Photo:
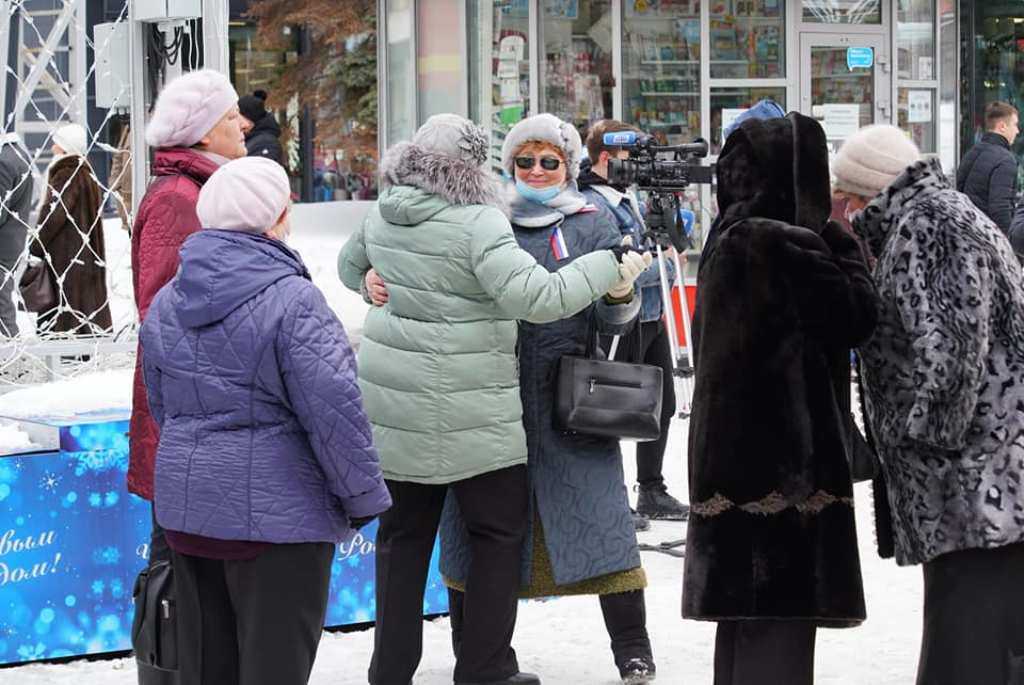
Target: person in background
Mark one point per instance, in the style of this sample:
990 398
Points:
1017 232
266 458
653 500
782 296
70 239
195 128
15 205
943 378
263 133
121 177
988 172
438 366
580 538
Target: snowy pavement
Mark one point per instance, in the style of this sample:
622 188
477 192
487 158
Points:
564 640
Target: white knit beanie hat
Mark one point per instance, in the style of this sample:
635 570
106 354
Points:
188 107
544 128
248 194
872 158
72 139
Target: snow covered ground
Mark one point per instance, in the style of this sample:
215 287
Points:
564 640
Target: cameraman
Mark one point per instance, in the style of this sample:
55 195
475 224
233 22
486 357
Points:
653 502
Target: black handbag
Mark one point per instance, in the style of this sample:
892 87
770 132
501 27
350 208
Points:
37 288
610 399
154 627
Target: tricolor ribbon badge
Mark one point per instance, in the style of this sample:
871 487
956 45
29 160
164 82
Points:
558 247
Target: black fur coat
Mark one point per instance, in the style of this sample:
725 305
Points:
783 294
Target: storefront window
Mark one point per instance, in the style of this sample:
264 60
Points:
916 113
499 66
950 80
842 92
915 40
842 11
438 60
400 68
729 103
661 68
576 76
748 39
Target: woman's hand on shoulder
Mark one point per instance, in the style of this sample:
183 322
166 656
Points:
376 288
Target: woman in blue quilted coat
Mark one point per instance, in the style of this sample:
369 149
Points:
266 459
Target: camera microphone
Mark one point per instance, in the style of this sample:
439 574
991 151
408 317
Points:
626 139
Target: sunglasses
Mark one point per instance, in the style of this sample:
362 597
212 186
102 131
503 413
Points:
546 163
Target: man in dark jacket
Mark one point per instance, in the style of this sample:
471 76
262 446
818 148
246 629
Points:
262 139
988 173
653 500
15 204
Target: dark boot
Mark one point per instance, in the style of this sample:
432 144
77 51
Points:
655 503
638 671
518 679
640 523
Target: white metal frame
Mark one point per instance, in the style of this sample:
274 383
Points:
6 19
71 97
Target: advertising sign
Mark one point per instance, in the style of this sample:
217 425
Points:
72 540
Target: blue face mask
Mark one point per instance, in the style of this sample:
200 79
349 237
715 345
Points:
541 195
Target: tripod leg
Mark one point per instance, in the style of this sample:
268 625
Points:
614 348
687 321
670 317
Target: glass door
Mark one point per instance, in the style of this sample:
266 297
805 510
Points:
845 82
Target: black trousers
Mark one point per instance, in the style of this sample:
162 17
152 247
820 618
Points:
974 618
656 350
493 505
764 652
625 617
254 622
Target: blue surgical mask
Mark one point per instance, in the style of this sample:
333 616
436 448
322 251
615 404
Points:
541 195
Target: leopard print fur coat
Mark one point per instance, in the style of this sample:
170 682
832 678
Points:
944 370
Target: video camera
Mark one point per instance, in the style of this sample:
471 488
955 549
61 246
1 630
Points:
662 178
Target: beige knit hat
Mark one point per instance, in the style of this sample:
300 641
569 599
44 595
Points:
872 158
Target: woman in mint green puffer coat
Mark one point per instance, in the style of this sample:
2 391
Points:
438 372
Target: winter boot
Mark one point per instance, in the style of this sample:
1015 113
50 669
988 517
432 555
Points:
655 503
640 523
637 671
518 679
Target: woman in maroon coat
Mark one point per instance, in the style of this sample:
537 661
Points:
195 128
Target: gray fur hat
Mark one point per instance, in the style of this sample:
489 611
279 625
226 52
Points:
446 157
544 128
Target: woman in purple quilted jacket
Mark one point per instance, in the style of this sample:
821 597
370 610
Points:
266 458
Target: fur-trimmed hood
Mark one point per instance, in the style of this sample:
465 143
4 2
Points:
456 181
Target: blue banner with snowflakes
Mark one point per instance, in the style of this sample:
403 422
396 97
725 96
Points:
72 540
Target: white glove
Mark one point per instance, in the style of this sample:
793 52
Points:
632 265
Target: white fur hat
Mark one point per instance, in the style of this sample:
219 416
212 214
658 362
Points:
872 158
72 139
188 107
248 194
544 128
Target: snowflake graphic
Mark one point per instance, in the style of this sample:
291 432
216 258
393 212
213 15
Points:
49 481
98 587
